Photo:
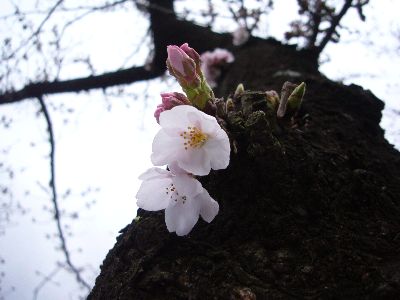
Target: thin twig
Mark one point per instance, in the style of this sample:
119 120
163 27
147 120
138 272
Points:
37 31
89 10
334 23
63 9
52 184
45 280
138 47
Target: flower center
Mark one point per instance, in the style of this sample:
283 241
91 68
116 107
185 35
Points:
174 195
193 137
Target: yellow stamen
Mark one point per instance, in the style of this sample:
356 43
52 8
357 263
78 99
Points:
194 137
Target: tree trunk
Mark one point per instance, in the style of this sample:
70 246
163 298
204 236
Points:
310 210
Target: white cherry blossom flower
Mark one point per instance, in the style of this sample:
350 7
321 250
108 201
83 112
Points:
180 194
192 139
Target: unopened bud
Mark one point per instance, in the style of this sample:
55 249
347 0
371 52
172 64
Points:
193 55
296 97
182 67
229 105
170 100
287 90
239 90
272 99
184 63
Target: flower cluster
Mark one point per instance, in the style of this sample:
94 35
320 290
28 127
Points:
212 62
190 143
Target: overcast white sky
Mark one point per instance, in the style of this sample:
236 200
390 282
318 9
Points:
106 149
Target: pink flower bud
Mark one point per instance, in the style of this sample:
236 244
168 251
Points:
170 100
184 64
193 55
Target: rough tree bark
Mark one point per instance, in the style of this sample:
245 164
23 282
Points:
311 211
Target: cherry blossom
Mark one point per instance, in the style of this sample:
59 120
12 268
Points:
212 62
192 139
180 194
190 142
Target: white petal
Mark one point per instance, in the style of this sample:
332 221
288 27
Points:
165 148
206 123
154 173
186 185
175 169
209 207
219 152
176 117
195 161
182 217
168 145
152 194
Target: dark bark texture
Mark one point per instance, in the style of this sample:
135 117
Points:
307 211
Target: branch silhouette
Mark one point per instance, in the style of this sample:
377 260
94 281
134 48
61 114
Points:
54 199
37 90
162 18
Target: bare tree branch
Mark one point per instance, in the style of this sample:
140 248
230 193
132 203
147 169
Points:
35 90
37 31
334 23
52 184
162 19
